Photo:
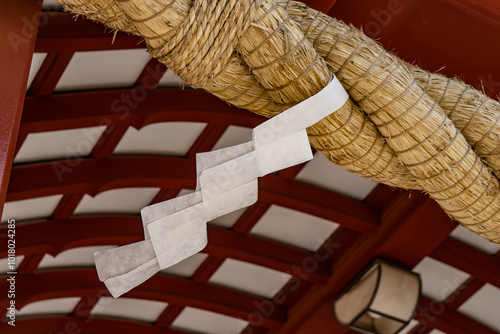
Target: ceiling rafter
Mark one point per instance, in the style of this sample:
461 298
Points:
16 47
92 176
49 74
63 33
54 236
457 298
82 282
148 80
470 260
108 107
440 316
405 221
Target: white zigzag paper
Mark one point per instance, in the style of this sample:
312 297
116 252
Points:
226 181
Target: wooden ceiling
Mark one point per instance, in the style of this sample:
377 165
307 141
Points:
397 225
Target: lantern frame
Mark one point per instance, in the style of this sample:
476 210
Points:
367 309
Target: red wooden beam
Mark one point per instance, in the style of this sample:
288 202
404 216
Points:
74 325
412 227
18 27
470 260
147 81
168 316
53 237
207 139
463 293
66 206
318 202
440 316
92 176
29 264
62 33
49 73
127 107
208 268
110 138
265 253
82 282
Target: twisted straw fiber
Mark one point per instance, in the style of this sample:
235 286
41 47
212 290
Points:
429 145
345 137
415 126
473 113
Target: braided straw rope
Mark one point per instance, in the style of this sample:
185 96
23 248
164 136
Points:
473 113
415 126
345 137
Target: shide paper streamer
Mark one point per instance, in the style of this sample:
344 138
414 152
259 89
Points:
226 181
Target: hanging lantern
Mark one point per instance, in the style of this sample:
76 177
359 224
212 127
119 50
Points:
382 300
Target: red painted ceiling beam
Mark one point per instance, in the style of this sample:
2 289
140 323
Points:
469 259
74 325
147 81
18 27
440 316
49 74
300 196
63 34
82 282
125 107
92 176
55 236
412 227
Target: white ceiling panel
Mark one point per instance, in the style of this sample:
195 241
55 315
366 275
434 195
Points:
250 278
484 306
325 174
413 323
4 264
228 221
166 138
436 331
75 257
294 228
104 69
439 280
129 308
36 63
33 208
187 267
52 145
170 80
117 201
50 306
201 321
467 236
233 135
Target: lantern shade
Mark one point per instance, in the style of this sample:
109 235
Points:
382 300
